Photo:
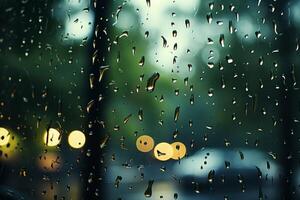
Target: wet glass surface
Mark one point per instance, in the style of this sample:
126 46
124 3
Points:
149 99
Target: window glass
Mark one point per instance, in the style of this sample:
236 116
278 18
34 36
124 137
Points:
149 99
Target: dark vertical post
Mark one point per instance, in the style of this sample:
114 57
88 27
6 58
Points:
287 37
93 169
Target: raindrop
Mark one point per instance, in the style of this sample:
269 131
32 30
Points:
187 23
211 5
104 141
197 188
272 7
241 155
258 2
174 33
210 65
126 119
237 16
257 34
123 34
231 7
117 181
185 81
101 71
175 47
229 59
275 27
142 61
259 174
90 105
92 80
260 61
148 3
192 99
146 34
176 113
141 114
223 82
148 192
190 67
211 176
152 81
164 41
219 22
227 164
175 196
209 18
210 92
230 27
222 40
268 165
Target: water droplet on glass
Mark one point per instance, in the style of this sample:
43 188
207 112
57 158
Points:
257 34
227 164
190 67
222 82
222 40
102 71
272 7
211 5
258 2
275 27
259 173
174 33
126 119
229 59
90 105
148 3
176 113
211 176
142 61
230 27
260 61
152 81
209 18
148 192
175 47
117 181
210 92
241 155
164 41
141 114
219 22
187 23
192 99
92 80
175 196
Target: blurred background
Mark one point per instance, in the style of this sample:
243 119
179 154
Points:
81 80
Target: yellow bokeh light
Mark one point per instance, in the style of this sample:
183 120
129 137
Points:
145 143
163 151
50 161
52 137
179 150
9 145
76 139
4 136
